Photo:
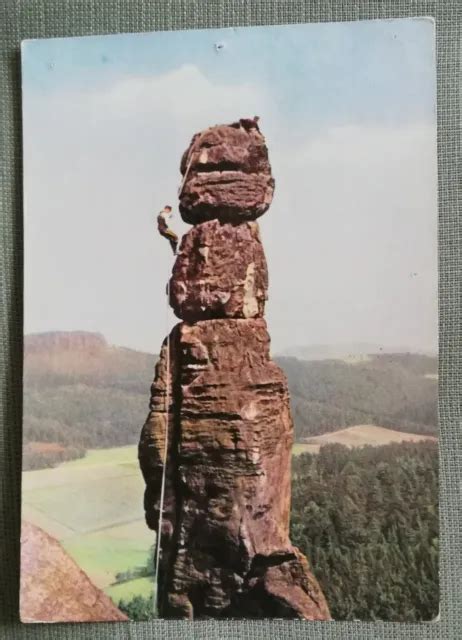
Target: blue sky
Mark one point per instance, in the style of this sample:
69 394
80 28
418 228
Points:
348 110
358 71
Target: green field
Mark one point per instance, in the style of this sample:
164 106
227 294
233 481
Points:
94 507
130 589
300 448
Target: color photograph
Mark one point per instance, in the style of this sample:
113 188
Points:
230 404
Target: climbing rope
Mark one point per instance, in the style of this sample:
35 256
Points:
164 469
167 403
180 190
190 159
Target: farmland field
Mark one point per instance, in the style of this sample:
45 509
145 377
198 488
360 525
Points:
362 435
94 507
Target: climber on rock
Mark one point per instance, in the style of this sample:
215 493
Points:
163 228
250 123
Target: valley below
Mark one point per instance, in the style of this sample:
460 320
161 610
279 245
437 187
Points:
85 402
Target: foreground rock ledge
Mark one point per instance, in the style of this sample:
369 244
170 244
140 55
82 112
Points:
54 588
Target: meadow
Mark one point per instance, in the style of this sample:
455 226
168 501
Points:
359 436
94 507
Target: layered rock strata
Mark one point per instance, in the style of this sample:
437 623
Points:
220 272
225 541
226 174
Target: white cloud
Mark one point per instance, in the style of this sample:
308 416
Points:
355 209
98 166
354 214
182 95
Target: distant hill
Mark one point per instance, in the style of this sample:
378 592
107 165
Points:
350 351
83 357
392 390
80 393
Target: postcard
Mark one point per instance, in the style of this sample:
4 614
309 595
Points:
230 340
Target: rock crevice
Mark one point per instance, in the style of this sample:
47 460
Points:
225 547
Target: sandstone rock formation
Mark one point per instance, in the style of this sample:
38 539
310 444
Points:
54 588
220 272
224 406
227 174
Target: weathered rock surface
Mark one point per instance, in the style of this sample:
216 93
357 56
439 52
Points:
220 272
227 174
219 415
54 588
151 451
225 538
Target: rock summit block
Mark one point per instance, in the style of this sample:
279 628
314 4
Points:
226 174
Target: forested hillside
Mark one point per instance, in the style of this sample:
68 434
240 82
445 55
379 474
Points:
368 521
80 393
398 391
